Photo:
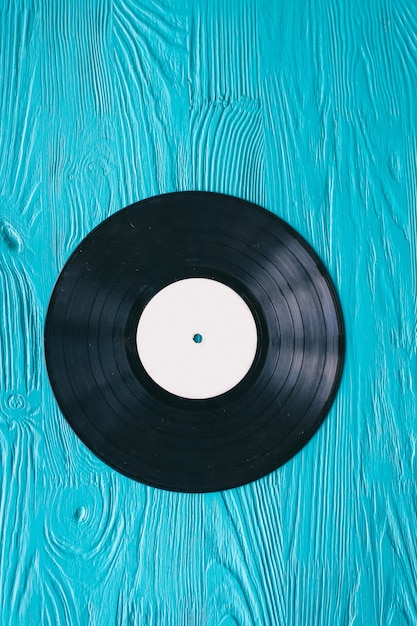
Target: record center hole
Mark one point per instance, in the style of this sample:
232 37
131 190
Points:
198 338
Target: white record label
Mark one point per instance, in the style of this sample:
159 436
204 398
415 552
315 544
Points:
197 338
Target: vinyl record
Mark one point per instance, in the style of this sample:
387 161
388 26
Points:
194 341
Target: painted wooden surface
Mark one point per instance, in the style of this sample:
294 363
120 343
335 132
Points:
309 109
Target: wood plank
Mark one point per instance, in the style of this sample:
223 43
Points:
309 111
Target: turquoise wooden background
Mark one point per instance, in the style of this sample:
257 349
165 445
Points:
309 109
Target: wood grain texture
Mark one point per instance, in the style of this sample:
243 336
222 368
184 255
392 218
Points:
308 109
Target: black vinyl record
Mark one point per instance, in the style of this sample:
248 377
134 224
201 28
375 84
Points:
120 412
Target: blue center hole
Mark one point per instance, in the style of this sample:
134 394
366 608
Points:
198 338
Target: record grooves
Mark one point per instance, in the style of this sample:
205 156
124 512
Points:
116 407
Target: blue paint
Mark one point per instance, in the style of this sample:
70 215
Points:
308 110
